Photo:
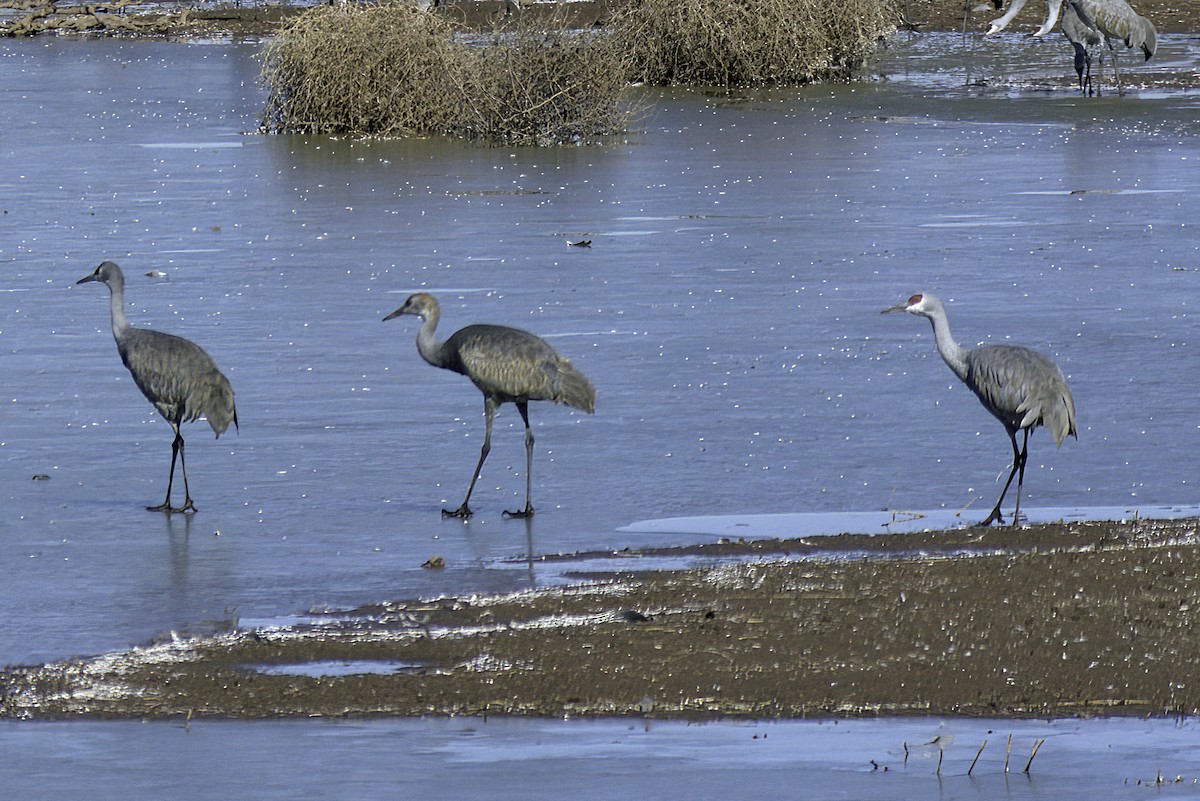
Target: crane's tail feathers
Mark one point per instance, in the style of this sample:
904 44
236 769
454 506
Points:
1060 419
220 423
1056 413
221 413
573 388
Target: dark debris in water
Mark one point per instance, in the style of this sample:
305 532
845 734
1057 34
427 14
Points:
1070 619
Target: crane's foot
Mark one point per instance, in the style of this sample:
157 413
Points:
188 506
521 513
463 512
994 517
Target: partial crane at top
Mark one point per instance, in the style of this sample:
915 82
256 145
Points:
1114 21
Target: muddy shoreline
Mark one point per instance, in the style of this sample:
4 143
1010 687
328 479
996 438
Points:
1057 620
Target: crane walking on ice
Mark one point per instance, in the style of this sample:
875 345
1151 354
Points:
1020 387
507 365
174 374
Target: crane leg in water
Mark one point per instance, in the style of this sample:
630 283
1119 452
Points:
489 413
523 408
176 451
1018 470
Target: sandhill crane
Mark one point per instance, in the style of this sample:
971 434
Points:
175 375
506 365
1083 37
1115 20
1020 387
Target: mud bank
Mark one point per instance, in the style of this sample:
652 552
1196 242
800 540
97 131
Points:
1057 620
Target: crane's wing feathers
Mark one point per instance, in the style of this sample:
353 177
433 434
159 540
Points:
178 377
515 365
1022 388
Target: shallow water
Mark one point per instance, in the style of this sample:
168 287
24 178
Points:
603 759
727 312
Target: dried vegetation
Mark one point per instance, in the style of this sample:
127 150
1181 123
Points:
395 70
748 43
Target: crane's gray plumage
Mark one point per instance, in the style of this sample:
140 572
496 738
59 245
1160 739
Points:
1022 388
176 375
1083 37
507 365
1113 20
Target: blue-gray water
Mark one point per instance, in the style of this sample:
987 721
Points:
529 760
727 312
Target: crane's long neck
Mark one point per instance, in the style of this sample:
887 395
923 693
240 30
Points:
116 299
1053 8
427 343
953 354
1014 8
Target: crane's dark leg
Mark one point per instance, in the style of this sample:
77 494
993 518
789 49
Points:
523 408
1017 464
1021 477
1083 67
176 452
489 412
1112 52
188 506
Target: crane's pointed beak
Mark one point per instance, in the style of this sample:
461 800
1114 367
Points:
87 279
394 314
899 307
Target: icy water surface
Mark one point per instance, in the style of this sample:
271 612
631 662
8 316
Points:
727 311
605 759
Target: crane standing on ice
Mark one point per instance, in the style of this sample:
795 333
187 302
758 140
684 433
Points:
1022 388
506 365
176 375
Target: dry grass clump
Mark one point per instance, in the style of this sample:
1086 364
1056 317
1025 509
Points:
395 70
383 70
751 42
544 83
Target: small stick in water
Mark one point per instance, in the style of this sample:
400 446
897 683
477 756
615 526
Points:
1007 752
1036 745
976 759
